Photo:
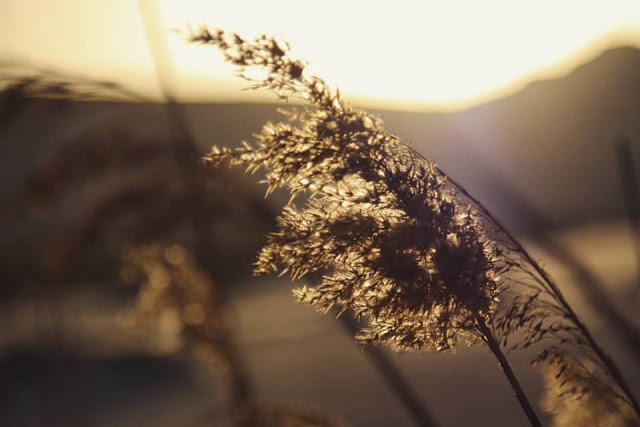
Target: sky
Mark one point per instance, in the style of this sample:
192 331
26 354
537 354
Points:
411 55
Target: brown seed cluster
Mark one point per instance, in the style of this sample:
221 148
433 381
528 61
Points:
390 238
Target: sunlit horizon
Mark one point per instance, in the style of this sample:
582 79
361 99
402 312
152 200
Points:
404 55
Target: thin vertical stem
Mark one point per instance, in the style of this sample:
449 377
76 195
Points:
607 361
594 291
242 400
631 194
393 378
506 369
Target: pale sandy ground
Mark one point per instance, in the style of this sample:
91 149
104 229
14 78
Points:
297 355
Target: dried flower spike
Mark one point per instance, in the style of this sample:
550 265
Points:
418 259
393 241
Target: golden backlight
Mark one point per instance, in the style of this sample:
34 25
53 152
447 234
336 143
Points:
396 54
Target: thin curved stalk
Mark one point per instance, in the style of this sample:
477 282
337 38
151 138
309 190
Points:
631 194
591 286
603 357
242 401
393 378
506 369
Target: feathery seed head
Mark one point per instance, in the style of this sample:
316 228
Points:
390 238
416 257
575 396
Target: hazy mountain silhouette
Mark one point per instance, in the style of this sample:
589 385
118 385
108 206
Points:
551 143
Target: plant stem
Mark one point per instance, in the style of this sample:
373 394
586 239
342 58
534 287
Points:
608 363
592 287
631 194
393 378
594 292
506 368
606 360
242 399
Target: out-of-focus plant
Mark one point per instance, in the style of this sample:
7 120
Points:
575 398
181 306
129 191
418 259
26 81
295 415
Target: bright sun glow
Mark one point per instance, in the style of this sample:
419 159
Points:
400 54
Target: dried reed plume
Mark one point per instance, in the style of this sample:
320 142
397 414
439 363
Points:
177 301
576 400
182 308
149 200
423 263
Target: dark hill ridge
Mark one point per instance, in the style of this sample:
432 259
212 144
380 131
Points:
551 143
